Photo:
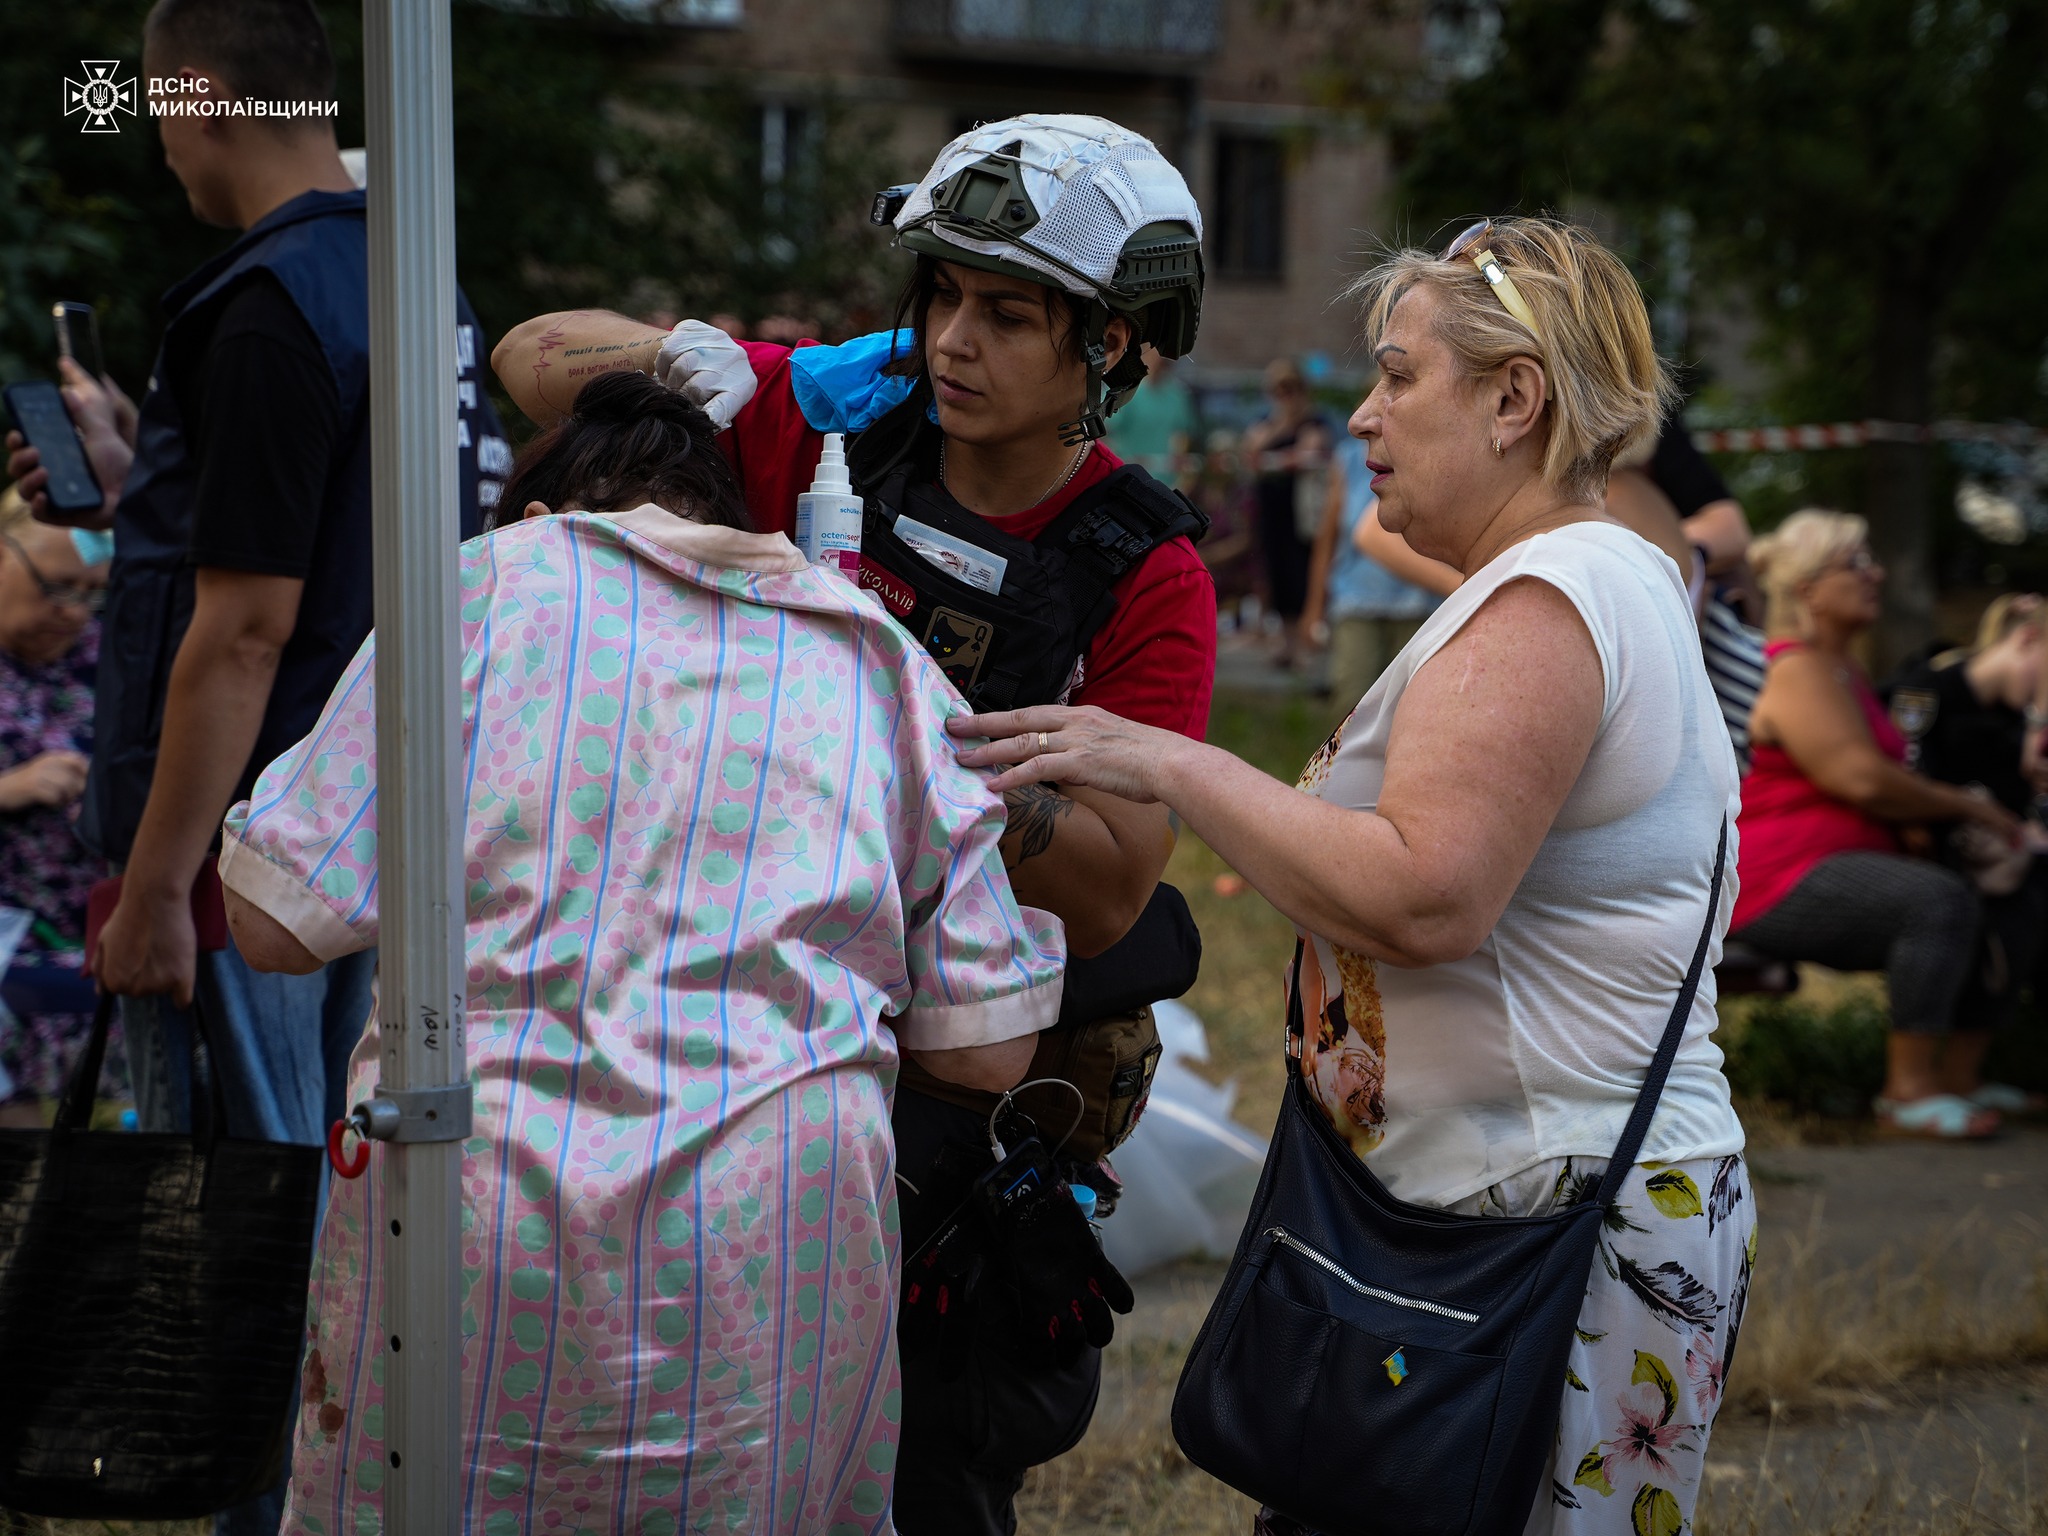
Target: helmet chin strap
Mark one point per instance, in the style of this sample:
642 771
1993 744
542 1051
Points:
1091 423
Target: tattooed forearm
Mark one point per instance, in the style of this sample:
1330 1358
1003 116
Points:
1036 811
563 358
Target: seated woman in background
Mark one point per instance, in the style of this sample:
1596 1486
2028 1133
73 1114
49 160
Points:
50 585
723 869
1963 714
1824 874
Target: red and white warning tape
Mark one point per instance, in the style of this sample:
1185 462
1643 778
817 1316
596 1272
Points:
1855 434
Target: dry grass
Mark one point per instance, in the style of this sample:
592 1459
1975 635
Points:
1128 1475
1869 1495
1818 1335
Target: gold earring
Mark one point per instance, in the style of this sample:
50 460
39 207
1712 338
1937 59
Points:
1497 449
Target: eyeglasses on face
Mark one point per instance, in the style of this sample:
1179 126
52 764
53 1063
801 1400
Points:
69 594
1860 563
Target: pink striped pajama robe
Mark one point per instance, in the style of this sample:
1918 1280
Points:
721 865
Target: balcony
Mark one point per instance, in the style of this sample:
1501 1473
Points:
1171 37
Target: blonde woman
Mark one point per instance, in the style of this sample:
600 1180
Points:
1500 864
1824 876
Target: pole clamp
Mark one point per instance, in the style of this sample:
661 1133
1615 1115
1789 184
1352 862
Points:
416 1114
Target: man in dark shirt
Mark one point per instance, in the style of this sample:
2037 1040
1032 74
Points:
241 583
270 432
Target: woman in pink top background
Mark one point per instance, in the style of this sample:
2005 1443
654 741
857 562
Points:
1824 875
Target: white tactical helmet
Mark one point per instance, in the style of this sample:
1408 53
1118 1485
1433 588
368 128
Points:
1078 203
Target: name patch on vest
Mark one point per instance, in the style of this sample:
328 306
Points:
896 596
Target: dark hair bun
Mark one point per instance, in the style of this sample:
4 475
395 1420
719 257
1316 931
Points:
628 399
627 442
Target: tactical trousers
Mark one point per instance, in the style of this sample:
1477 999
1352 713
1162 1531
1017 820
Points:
968 1441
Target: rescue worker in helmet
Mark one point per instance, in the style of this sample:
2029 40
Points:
1047 248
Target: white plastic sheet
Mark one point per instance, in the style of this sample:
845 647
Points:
1189 1169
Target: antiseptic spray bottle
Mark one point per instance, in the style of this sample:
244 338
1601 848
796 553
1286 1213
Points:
828 515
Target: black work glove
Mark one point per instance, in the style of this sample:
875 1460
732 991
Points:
939 1286
944 1254
1060 1287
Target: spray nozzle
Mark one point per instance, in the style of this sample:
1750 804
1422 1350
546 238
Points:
832 478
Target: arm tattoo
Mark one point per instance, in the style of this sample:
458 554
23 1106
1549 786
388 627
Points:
1036 811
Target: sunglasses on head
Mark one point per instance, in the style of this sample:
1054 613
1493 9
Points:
1471 246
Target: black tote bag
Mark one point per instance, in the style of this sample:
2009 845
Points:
1377 1368
152 1311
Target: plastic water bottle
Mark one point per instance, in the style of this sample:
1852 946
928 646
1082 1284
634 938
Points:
828 515
1084 1197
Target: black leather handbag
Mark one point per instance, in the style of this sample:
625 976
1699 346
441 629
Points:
1377 1368
152 1311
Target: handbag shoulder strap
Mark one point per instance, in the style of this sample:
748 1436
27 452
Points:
1639 1118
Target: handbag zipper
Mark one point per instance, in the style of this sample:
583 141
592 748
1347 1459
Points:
1413 1303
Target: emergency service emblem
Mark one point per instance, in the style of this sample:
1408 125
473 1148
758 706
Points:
959 642
1913 711
99 96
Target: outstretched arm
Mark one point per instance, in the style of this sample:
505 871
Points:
1424 877
545 362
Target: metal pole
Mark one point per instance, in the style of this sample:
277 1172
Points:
421 1110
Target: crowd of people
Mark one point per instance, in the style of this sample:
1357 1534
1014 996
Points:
814 916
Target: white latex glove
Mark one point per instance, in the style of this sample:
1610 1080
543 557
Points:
708 368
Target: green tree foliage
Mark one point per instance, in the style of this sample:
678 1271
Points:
93 217
583 177
44 236
1869 177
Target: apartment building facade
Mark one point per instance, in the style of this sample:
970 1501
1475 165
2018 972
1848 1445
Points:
1293 194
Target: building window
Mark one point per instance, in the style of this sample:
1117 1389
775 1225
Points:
1250 206
789 160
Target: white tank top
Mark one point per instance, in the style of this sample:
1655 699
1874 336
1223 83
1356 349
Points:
1451 1078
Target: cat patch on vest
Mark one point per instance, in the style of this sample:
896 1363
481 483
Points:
960 643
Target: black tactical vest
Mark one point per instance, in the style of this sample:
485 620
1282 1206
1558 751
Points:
1016 646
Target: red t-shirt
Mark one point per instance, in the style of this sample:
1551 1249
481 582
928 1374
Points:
1153 660
1789 824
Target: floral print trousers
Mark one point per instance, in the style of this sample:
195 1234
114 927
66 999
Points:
1656 1335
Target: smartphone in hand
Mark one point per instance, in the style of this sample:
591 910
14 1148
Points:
78 335
39 414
